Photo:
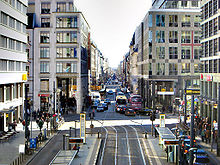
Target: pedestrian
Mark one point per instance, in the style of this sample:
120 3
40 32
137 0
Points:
14 124
203 134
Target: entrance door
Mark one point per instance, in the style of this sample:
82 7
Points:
1 123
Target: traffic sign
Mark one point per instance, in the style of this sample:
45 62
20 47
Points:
33 143
75 140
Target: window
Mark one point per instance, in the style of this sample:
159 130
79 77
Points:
215 64
44 52
160 68
196 68
66 53
185 53
66 37
18 66
18 26
185 68
210 66
45 8
197 35
210 28
11 22
24 28
195 4
160 52
71 7
173 21
23 47
197 52
23 66
186 21
184 4
44 85
1 93
173 69
4 18
18 45
150 20
8 93
69 67
45 22
15 91
173 52
19 4
160 37
61 6
173 36
185 37
197 20
215 27
44 67
160 20
3 65
24 9
150 36
3 41
11 44
12 3
44 37
11 66
67 22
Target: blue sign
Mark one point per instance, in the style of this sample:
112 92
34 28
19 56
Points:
33 143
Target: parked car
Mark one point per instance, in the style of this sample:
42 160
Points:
105 105
100 108
130 112
107 101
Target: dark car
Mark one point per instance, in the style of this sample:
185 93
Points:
123 109
202 160
100 108
110 92
130 112
105 105
146 111
107 101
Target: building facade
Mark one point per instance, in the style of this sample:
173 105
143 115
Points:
210 77
60 39
13 59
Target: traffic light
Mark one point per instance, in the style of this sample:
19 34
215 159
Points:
152 116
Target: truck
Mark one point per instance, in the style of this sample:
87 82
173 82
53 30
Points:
135 102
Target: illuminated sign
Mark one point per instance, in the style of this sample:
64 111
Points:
24 77
193 91
83 126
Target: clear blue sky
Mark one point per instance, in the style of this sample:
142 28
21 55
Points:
113 23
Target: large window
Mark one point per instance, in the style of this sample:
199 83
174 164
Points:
8 93
69 67
160 52
44 67
18 66
186 52
173 21
68 22
185 37
173 36
11 22
15 91
173 52
4 18
11 44
11 66
44 52
45 8
196 68
186 21
185 68
44 37
45 22
18 26
160 37
66 37
197 20
197 52
61 6
160 69
3 65
1 93
44 85
173 69
197 36
160 20
66 52
18 46
3 41
150 21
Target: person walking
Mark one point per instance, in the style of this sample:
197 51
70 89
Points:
203 134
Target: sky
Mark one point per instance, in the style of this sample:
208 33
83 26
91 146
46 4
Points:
113 23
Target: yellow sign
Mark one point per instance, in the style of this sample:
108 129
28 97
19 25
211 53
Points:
74 87
24 77
163 90
171 89
162 120
215 106
193 91
83 126
206 102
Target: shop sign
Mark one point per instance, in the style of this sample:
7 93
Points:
83 126
215 106
201 76
163 90
43 95
209 77
24 77
162 120
193 91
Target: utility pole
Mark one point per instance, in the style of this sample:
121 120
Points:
54 97
27 133
185 103
218 120
192 129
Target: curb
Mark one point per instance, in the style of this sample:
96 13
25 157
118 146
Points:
97 152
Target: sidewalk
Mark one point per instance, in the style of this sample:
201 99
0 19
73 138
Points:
155 153
207 147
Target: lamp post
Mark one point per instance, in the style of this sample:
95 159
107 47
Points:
192 129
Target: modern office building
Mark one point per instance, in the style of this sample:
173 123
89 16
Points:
168 48
59 50
13 59
210 77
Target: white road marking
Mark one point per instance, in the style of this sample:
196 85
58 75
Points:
142 154
148 154
106 136
129 155
116 145
156 157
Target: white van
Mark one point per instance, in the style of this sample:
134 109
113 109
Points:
96 96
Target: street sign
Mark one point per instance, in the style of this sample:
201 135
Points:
75 140
193 91
162 120
33 143
83 126
171 142
21 148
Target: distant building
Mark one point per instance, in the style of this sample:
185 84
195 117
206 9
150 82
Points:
13 59
59 42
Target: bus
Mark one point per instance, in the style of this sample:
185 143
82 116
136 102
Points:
135 102
121 103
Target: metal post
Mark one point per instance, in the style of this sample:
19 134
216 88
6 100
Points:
152 127
75 128
70 132
54 97
64 142
218 120
185 104
192 129
212 131
26 113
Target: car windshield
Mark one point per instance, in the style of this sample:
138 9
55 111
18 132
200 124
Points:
121 101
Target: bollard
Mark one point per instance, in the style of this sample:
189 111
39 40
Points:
98 134
145 135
